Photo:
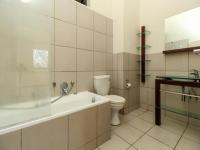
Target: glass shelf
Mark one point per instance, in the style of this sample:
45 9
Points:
146 33
189 78
181 112
145 61
146 47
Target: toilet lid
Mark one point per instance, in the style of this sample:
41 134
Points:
116 99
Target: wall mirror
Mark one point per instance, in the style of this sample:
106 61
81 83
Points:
182 31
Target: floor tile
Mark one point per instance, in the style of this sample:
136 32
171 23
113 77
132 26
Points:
115 143
126 118
141 124
131 148
148 143
148 116
173 126
193 133
138 112
186 144
128 133
164 136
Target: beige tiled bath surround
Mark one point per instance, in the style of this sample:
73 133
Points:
82 45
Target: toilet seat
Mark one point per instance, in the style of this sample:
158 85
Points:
114 99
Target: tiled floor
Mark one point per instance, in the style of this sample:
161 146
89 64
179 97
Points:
138 132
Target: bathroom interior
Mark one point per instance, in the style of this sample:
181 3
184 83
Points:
100 75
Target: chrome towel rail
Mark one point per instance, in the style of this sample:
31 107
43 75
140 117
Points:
182 94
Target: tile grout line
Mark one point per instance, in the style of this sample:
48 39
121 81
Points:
181 136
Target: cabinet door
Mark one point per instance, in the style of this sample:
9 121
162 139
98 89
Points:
11 141
51 135
82 129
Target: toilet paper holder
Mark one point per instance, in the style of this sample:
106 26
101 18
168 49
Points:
128 84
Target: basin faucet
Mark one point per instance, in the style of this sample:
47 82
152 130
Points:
195 73
65 88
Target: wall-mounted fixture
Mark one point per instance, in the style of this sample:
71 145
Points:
84 2
143 47
196 51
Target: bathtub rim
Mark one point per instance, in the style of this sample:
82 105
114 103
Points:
47 118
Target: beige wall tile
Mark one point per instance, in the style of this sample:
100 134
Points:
99 23
99 61
177 62
84 81
144 95
115 79
50 135
65 34
99 42
157 62
82 128
109 61
133 64
109 44
115 62
64 77
52 31
84 60
134 97
134 78
194 61
11 141
65 59
84 39
84 16
109 23
103 119
123 61
65 10
122 77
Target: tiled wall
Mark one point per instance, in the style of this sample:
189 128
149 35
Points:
170 64
126 69
82 44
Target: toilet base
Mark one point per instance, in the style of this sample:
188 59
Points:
115 121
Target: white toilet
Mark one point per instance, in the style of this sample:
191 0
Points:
102 87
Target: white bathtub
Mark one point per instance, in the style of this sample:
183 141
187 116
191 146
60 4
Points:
64 106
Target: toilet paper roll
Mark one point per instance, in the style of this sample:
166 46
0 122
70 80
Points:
128 85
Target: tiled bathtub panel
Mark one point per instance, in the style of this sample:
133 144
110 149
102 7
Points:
14 137
82 128
103 119
50 135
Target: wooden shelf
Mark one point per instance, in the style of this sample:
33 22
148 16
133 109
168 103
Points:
189 49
